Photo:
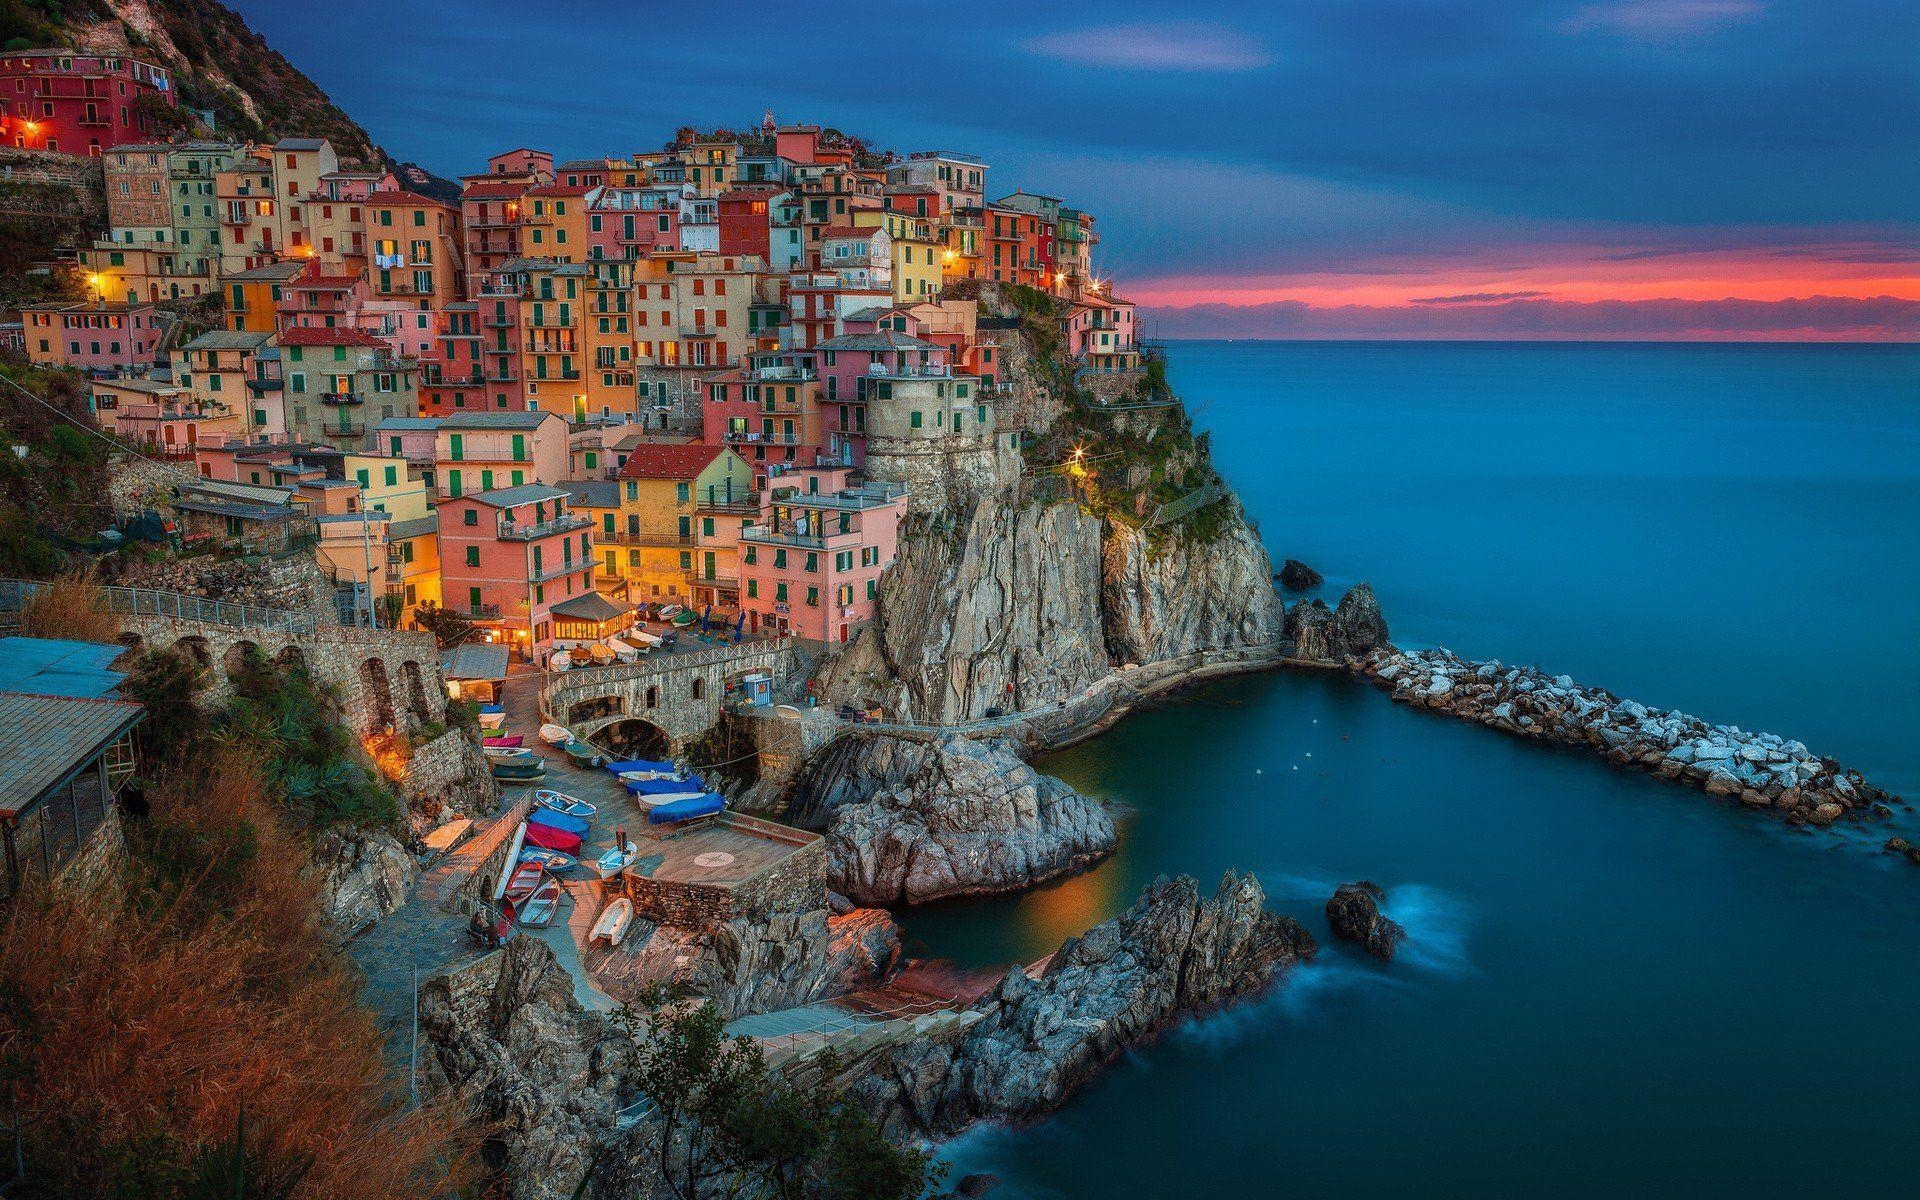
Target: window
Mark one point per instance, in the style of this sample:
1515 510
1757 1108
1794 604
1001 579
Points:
473 597
753 589
682 492
473 556
813 597
780 592
913 419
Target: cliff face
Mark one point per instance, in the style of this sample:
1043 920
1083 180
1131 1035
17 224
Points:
1185 596
916 821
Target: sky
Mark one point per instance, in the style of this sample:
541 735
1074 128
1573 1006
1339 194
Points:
1294 168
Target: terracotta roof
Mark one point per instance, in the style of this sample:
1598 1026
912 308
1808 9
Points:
848 231
304 336
669 462
403 196
325 282
558 189
494 191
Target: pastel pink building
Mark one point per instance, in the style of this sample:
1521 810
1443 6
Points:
313 300
479 452
811 564
509 555
100 339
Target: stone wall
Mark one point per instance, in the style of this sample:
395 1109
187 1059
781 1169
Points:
796 884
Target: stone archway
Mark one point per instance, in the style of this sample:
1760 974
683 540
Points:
417 706
235 660
195 647
378 693
595 709
632 737
291 658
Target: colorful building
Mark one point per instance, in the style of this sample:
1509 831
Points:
489 451
661 521
339 382
508 555
98 339
810 565
79 102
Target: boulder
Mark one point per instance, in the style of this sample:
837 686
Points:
1358 628
1297 576
1309 626
364 874
1353 911
1904 848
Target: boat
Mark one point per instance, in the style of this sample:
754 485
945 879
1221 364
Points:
549 837
509 741
684 618
560 660
668 612
549 860
492 710
640 637
641 768
601 655
506 753
664 791
692 809
616 860
560 802
538 911
554 735
582 754
555 820
492 720
525 878
626 652
611 925
513 856
520 770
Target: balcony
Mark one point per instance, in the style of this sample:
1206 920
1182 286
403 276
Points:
753 437
699 331
561 571
344 429
481 612
774 536
501 375
510 531
266 385
341 398
657 540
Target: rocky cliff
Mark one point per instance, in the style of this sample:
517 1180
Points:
1172 954
910 821
364 874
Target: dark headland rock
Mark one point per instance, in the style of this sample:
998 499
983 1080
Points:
1358 627
1309 626
1297 576
1354 913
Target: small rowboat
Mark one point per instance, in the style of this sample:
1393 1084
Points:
687 810
505 753
549 860
611 925
616 860
540 907
641 768
521 770
554 735
501 740
560 802
492 720
525 878
665 791
581 753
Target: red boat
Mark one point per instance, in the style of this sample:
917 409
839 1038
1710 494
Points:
548 838
509 741
522 883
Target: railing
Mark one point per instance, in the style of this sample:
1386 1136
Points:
147 602
512 531
342 398
1197 499
548 574
764 536
623 538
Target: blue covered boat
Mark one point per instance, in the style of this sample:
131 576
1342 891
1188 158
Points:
549 860
661 791
554 820
641 766
707 805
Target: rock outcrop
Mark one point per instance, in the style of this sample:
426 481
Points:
508 1040
1762 770
1297 576
364 875
1186 596
1904 848
1353 912
910 821
1172 954
751 966
1309 626
1352 631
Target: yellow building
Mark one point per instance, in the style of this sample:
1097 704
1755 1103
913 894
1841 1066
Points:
404 548
253 297
553 316
219 367
712 167
918 253
607 337
554 222
658 524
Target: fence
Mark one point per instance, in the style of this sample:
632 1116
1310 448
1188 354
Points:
146 602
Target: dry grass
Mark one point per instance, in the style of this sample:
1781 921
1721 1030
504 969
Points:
70 606
142 1015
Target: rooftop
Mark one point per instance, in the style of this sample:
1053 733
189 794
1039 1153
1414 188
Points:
309 336
514 497
593 493
49 738
590 606
669 462
473 660
276 272
528 419
885 339
56 667
227 339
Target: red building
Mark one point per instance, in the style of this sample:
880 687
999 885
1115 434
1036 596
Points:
452 377
745 220
78 103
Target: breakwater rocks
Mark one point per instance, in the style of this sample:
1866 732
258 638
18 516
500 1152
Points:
912 821
1172 954
1761 770
1354 914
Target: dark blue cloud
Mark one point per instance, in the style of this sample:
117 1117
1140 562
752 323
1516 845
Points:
1429 123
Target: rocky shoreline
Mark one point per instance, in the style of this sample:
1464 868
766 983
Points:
1763 771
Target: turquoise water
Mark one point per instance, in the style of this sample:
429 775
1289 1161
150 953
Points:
1613 985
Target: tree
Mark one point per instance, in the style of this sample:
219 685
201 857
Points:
727 1125
448 627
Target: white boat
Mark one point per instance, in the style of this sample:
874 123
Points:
493 720
506 753
560 802
616 860
640 637
541 906
554 735
623 651
560 660
611 925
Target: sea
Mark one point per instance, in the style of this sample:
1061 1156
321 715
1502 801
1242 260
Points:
1612 986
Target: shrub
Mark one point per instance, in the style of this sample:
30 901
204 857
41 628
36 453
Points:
69 606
